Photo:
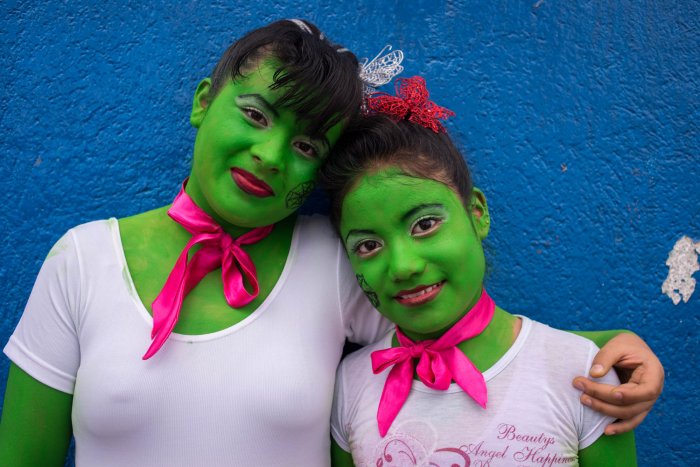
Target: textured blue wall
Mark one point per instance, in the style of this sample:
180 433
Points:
579 120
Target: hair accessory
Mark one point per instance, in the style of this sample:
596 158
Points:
302 25
410 103
440 361
217 250
381 69
374 73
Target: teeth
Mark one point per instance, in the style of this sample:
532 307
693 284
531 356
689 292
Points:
420 292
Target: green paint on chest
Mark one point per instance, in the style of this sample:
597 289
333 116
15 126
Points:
152 243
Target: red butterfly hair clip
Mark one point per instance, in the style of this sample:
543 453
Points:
411 103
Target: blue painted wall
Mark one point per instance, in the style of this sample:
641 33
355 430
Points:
579 120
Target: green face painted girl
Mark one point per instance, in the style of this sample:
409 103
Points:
412 225
417 248
254 161
266 120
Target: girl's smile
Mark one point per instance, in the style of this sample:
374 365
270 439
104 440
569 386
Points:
419 295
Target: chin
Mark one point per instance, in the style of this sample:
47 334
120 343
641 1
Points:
433 332
250 221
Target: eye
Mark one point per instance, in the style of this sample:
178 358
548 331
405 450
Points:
255 116
367 248
425 226
307 149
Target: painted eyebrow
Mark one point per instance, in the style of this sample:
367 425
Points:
405 217
358 232
260 100
419 208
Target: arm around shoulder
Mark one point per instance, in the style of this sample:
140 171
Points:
600 338
639 369
36 422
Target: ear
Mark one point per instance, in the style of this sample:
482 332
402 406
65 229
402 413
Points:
201 102
480 213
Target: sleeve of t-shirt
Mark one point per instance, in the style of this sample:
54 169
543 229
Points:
338 419
363 323
592 423
45 342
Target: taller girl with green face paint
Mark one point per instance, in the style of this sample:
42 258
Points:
490 388
206 332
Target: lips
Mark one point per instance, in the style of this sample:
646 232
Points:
251 184
419 295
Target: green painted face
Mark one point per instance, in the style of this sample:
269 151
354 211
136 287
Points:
254 162
417 249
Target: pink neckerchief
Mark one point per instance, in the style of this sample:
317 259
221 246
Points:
440 362
218 250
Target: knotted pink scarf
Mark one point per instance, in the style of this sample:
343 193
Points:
217 249
440 362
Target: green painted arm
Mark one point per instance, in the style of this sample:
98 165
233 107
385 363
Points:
35 429
599 337
614 451
340 457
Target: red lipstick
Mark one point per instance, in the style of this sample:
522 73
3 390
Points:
251 184
419 295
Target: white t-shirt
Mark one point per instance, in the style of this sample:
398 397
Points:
256 394
533 416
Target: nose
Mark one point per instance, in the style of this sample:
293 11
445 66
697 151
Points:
405 262
270 152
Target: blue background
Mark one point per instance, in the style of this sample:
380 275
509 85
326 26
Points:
579 120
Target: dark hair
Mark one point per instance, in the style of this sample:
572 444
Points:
321 78
376 141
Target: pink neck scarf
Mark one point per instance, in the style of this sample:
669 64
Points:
440 361
218 250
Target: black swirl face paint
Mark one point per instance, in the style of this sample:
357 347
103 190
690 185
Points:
298 194
371 294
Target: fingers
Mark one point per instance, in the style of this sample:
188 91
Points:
623 426
641 371
632 393
622 412
602 362
624 394
644 384
594 389
621 350
630 402
626 402
650 375
604 392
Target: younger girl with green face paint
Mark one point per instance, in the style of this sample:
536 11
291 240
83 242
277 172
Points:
460 381
208 332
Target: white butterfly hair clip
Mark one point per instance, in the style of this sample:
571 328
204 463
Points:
381 69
